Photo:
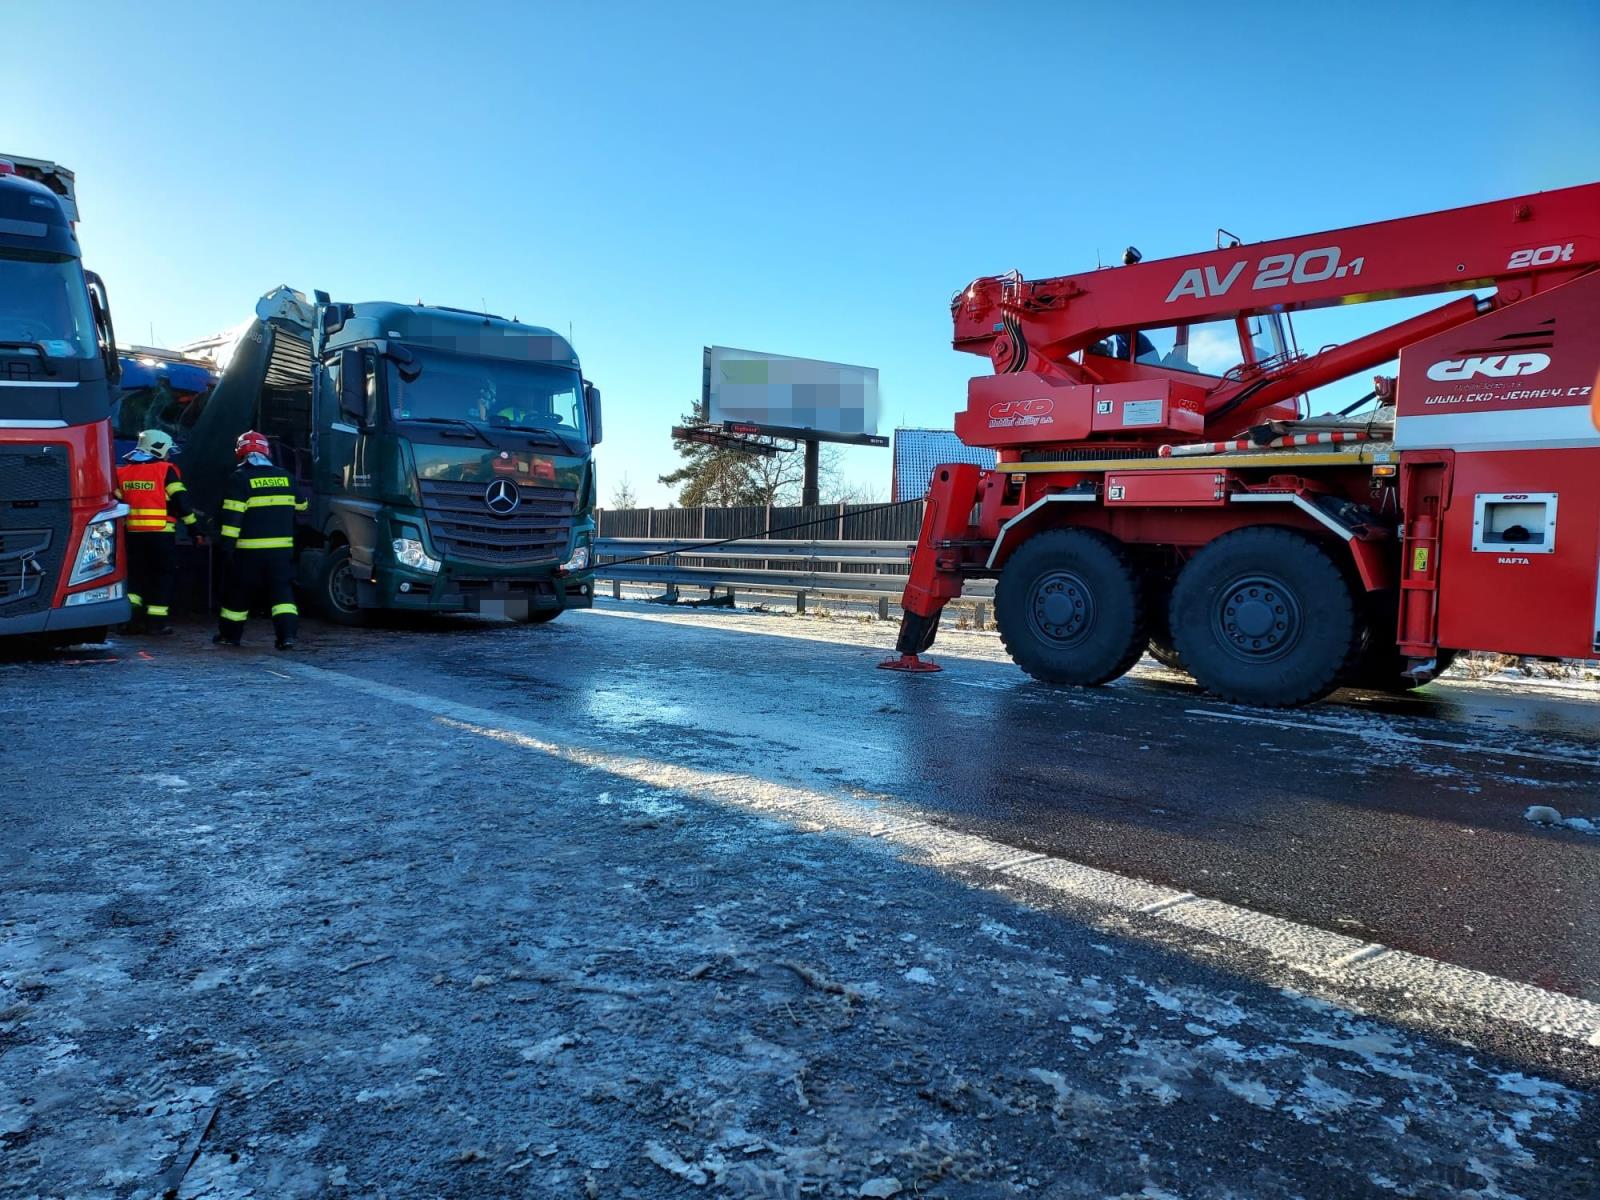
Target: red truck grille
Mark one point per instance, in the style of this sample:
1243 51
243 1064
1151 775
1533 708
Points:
35 523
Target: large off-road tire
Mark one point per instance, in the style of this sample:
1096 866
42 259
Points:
1266 616
337 595
1070 607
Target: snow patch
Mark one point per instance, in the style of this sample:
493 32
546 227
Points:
673 1164
881 1187
1252 1091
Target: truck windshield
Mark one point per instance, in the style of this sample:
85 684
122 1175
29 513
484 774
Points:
43 301
490 392
154 399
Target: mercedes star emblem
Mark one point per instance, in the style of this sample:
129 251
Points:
502 497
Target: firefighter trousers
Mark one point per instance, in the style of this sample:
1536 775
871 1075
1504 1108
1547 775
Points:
152 574
258 579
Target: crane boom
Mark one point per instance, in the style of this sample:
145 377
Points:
1049 330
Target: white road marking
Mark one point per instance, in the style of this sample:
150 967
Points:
1367 953
1344 965
1391 737
1162 905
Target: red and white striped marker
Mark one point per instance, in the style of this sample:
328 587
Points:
1330 437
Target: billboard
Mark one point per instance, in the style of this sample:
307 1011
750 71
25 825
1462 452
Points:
746 391
918 451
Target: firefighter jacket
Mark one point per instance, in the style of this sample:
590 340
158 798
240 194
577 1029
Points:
154 493
258 513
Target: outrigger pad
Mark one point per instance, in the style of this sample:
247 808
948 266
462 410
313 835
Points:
909 663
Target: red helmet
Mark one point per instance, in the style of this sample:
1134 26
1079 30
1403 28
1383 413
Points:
250 442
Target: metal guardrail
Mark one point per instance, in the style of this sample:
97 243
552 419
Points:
805 566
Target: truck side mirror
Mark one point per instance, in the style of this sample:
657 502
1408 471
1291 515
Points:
331 318
100 305
353 387
591 404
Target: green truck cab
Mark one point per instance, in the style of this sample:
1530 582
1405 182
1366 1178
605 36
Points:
446 454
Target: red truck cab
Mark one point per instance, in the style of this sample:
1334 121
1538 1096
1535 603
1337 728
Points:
62 558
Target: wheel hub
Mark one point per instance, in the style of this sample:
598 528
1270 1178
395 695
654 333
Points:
1258 618
1060 608
342 587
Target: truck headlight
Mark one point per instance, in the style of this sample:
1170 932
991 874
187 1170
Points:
578 561
408 552
97 552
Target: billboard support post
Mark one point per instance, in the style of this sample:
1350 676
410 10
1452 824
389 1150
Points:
810 492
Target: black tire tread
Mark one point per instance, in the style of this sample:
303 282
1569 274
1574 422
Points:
1278 543
1063 540
329 611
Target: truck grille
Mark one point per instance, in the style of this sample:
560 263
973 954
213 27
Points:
463 526
34 473
31 556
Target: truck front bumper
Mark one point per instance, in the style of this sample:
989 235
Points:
64 620
415 591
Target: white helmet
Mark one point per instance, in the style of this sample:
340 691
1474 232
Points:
155 443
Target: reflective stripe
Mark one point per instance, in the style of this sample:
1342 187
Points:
233 506
279 610
157 610
189 520
301 505
233 614
285 501
174 488
276 543
230 531
135 599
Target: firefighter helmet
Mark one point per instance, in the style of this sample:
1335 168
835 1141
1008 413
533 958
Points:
155 443
250 442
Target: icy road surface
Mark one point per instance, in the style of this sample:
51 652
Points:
656 905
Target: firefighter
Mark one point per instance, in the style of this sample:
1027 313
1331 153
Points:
258 543
153 490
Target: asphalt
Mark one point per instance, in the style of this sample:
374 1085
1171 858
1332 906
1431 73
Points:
1399 821
458 907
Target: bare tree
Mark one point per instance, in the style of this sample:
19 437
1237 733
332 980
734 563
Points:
777 480
622 494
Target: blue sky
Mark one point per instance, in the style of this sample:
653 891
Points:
813 179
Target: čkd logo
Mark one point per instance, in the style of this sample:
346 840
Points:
1021 408
1495 366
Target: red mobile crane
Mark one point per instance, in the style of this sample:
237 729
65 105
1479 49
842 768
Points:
1159 484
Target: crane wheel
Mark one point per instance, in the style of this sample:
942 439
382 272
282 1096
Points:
1266 616
1070 606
